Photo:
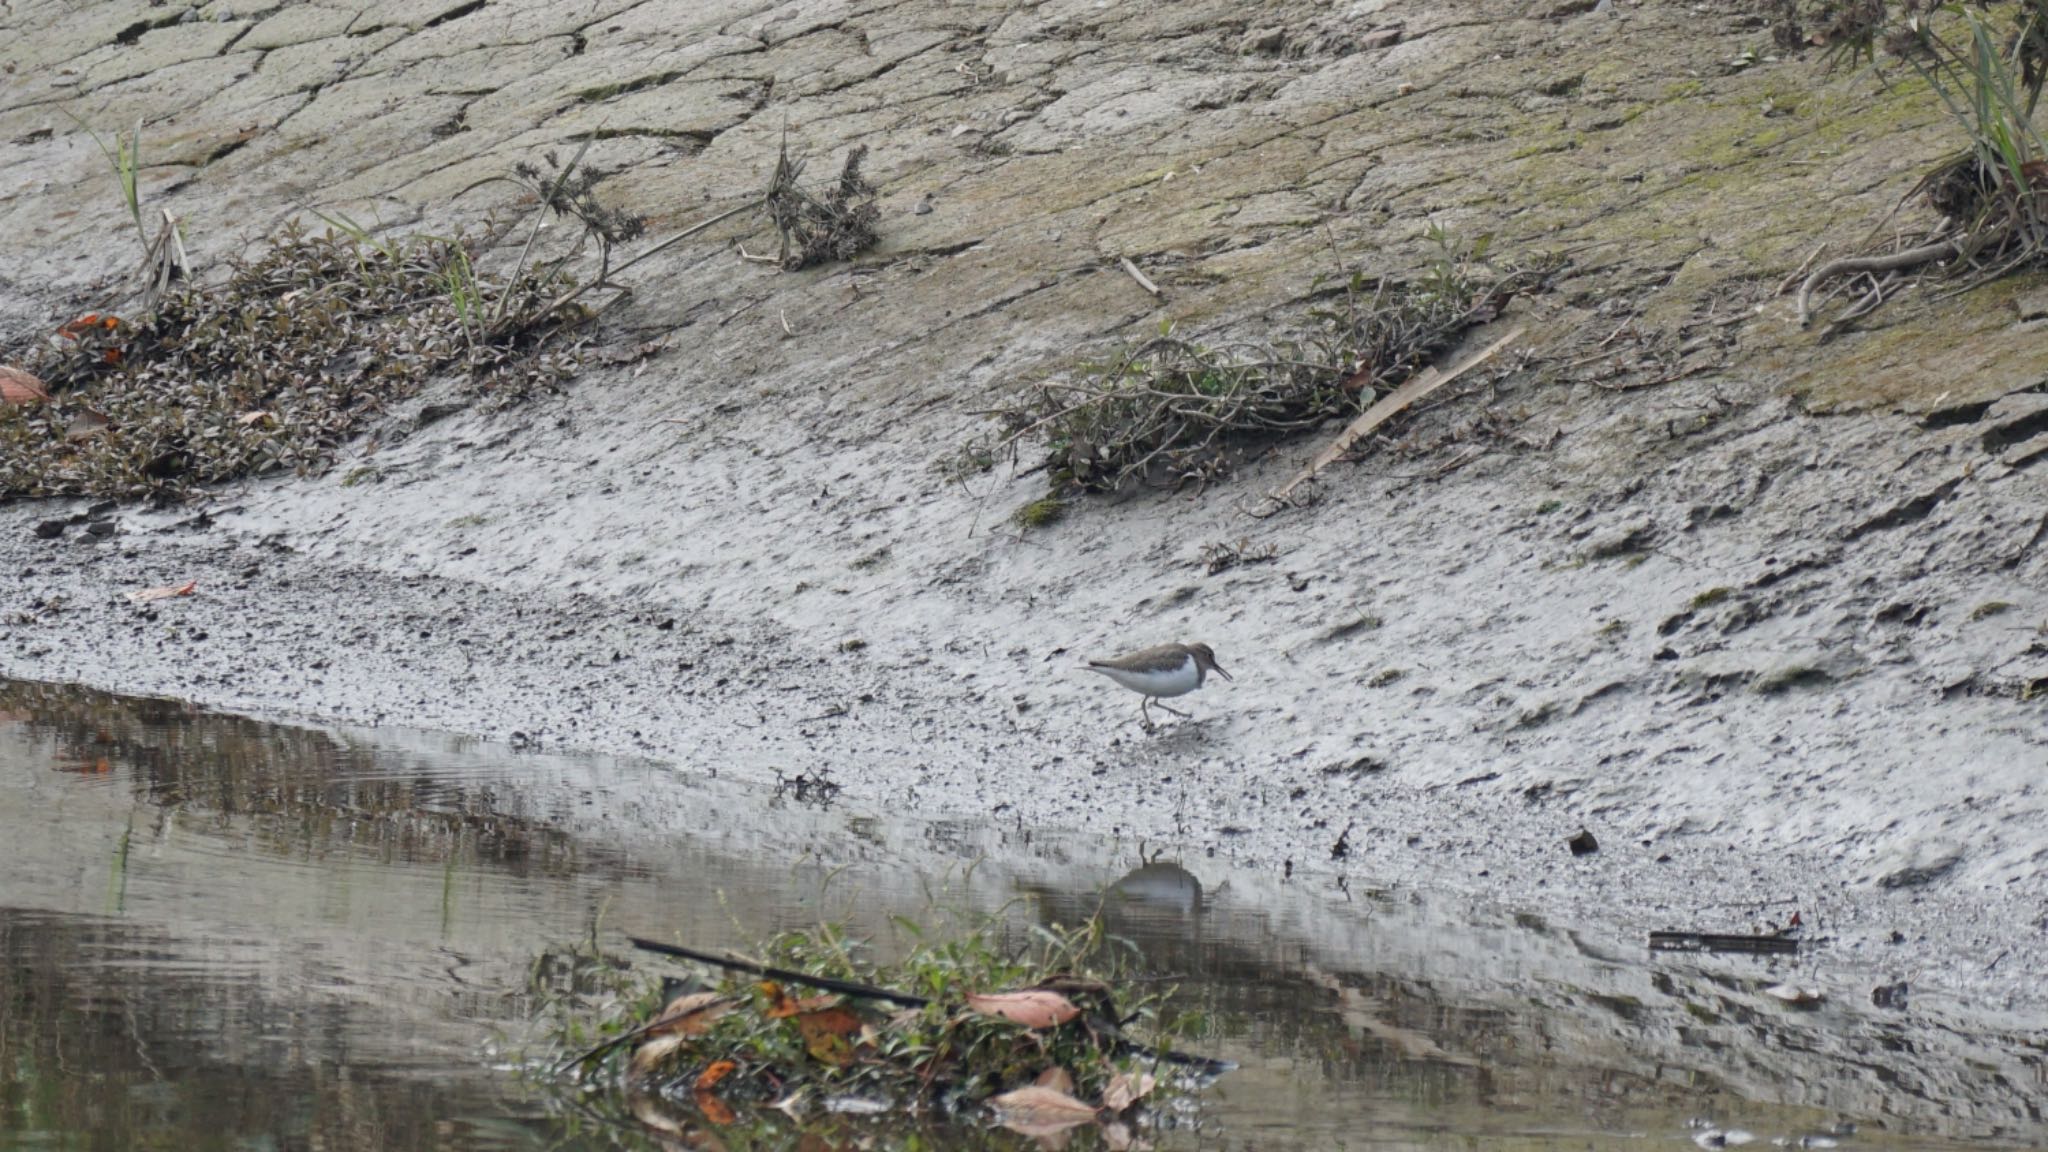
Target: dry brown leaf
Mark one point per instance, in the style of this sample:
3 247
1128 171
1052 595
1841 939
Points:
1036 1111
1056 1078
781 1005
825 1034
20 387
1118 1137
86 425
650 1055
1124 1091
1034 1008
691 1014
148 594
248 418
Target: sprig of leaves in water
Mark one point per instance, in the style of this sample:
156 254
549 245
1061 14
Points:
758 1041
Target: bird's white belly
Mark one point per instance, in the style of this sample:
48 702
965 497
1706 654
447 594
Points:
1177 682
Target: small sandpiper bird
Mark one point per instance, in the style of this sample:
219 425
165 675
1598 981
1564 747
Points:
1168 670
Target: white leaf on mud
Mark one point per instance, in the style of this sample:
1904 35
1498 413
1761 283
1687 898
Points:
1057 1079
1124 1090
148 594
1036 1111
1035 1008
1794 994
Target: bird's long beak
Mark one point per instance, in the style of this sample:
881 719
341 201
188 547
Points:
1220 672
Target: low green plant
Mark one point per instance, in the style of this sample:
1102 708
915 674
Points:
164 261
567 190
124 157
1991 90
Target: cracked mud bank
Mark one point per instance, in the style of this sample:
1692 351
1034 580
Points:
1763 614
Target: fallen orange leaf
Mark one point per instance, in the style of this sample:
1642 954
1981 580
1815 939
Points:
714 1072
781 1004
825 1034
87 323
715 1110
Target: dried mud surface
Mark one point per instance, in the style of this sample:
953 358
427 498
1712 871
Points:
1763 614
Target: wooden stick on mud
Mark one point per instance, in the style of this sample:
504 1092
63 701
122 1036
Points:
1143 280
736 964
1895 262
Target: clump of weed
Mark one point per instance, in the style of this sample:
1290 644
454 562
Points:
265 371
1993 194
952 1024
1170 409
1849 30
820 228
570 190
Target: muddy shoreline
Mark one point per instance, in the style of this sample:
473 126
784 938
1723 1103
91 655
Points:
1720 799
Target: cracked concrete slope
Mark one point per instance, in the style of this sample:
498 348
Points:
1763 612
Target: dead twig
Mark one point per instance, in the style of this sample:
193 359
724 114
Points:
1143 280
1895 262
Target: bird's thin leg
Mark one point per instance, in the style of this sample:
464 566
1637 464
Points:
1178 712
1144 713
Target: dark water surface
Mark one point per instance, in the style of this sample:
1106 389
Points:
217 933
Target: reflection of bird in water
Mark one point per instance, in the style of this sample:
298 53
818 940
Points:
1162 887
1160 900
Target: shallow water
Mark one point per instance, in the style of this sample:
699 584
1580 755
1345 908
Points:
222 933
